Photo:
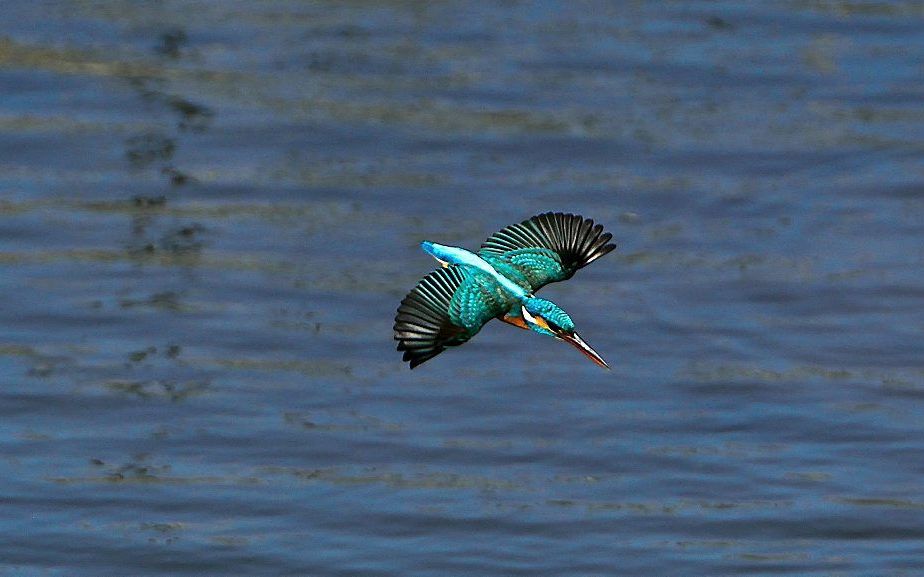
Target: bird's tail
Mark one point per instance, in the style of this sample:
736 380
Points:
435 251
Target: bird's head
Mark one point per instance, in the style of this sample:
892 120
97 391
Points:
547 318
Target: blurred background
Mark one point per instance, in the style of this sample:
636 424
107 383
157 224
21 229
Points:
209 212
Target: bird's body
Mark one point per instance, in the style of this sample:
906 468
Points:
451 304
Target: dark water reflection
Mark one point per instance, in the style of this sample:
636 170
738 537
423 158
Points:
209 212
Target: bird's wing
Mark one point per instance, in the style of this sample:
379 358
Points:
549 247
445 309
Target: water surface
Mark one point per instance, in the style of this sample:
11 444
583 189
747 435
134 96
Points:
209 212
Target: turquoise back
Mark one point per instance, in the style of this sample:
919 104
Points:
479 299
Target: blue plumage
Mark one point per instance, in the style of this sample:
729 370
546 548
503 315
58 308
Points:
451 304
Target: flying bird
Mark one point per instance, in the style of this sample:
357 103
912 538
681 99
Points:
451 304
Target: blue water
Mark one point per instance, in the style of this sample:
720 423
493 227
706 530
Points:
209 212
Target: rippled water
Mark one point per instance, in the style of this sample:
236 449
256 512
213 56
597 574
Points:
209 212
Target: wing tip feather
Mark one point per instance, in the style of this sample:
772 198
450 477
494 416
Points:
422 326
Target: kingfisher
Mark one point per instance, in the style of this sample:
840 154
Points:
451 304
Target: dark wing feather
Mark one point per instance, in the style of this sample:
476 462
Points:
422 326
574 239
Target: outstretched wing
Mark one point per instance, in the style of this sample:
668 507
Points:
445 309
549 247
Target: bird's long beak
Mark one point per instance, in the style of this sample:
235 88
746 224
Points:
580 345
